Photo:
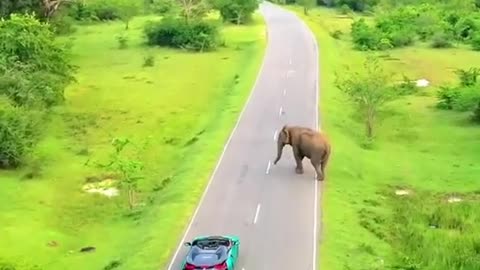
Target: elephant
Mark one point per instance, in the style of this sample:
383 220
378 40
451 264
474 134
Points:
305 142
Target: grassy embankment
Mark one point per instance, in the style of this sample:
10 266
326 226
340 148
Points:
187 103
434 154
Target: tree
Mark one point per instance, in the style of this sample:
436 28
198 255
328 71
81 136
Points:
307 5
235 11
192 9
369 89
130 170
34 68
127 9
8 7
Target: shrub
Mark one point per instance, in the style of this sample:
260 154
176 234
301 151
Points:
468 77
149 61
385 44
236 11
364 37
34 69
122 41
467 99
402 38
476 113
105 10
447 97
465 27
62 25
196 35
406 87
441 40
17 134
475 42
345 9
336 34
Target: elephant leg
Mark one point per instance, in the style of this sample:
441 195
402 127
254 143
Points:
317 165
298 159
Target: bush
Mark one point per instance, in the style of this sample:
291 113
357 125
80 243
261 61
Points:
97 10
122 41
345 9
17 134
467 99
105 10
406 87
402 38
62 25
476 113
149 61
364 37
441 40
475 42
236 11
34 69
196 35
447 97
337 34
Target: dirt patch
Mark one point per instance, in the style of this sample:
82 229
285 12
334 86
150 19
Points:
402 192
106 188
454 199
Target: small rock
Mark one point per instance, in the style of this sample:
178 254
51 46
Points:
87 249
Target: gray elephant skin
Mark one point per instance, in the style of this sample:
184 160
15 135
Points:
305 142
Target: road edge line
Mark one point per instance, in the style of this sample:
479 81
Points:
252 91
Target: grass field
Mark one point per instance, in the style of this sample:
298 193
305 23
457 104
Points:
433 154
186 103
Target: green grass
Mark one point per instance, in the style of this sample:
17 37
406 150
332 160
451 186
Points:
433 153
186 103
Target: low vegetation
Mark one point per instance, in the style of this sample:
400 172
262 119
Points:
99 106
409 198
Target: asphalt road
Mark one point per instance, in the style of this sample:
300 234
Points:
272 209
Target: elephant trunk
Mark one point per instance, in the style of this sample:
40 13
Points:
279 152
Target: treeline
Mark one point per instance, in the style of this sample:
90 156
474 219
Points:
35 69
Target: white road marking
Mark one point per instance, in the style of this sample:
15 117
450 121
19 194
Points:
256 214
290 61
290 72
284 91
275 135
180 244
268 167
280 111
318 126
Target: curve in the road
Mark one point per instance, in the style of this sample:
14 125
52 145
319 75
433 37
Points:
272 209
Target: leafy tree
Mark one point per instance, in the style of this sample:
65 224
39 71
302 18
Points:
369 90
127 9
33 67
165 7
8 7
192 9
235 11
130 169
307 5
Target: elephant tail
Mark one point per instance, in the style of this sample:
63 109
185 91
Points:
326 154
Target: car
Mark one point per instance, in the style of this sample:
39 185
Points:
212 253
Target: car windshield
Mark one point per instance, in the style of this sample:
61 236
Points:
211 243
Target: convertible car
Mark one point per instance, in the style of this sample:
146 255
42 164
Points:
212 253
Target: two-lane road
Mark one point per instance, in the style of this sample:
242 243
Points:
272 209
